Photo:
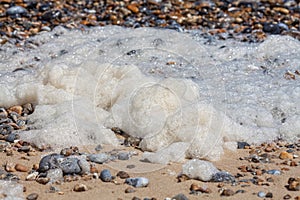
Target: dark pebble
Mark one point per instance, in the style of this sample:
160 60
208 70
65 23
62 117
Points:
136 198
269 195
130 166
130 190
12 137
180 197
32 196
51 15
16 11
49 162
271 28
99 158
98 147
123 174
227 192
222 177
242 145
105 175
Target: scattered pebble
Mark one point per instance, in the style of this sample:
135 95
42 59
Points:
285 155
261 194
21 168
222 177
137 182
227 192
123 174
32 196
80 188
294 184
129 190
274 172
99 158
105 175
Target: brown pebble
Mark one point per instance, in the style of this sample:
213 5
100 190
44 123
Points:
16 109
268 149
285 155
294 184
195 187
93 169
297 198
35 166
258 172
123 174
133 8
293 164
43 180
21 168
227 192
80 188
32 196
129 190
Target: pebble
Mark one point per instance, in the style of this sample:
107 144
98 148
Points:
123 156
285 155
16 11
99 158
137 182
199 169
242 145
21 168
227 192
222 177
12 137
274 172
106 176
32 176
195 187
49 162
287 196
180 197
32 196
261 194
80 188
294 184
129 190
70 166
123 174
43 180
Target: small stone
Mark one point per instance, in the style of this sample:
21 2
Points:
49 162
80 188
99 158
293 164
137 182
261 194
195 187
227 192
42 180
180 197
16 11
98 147
269 195
135 198
31 153
123 156
133 8
32 176
129 190
274 172
222 177
123 174
32 196
21 168
294 184
287 196
70 165
199 169
12 137
242 145
130 166
285 155
105 175
16 109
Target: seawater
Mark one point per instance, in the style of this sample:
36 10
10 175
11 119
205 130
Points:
187 95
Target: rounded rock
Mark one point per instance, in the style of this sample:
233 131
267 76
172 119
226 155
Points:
137 182
21 168
123 174
105 175
49 162
16 10
32 196
261 194
80 188
285 155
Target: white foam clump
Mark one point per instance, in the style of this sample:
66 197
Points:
199 169
113 77
10 190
